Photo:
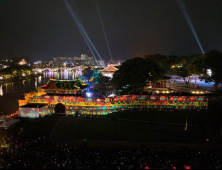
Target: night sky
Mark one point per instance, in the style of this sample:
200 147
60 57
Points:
43 29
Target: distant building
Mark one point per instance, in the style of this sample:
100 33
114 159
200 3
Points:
90 61
23 62
77 58
38 62
83 60
84 57
115 62
100 63
2 66
119 62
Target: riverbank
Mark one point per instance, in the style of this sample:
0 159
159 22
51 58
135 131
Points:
11 80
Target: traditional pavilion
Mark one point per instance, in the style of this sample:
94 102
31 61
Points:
110 70
54 86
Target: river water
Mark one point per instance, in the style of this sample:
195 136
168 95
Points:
10 93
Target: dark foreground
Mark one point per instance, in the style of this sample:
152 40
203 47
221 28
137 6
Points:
43 154
57 142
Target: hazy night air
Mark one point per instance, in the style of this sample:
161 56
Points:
43 29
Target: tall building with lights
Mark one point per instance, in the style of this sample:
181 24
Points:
84 57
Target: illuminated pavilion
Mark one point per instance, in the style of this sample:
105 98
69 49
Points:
110 70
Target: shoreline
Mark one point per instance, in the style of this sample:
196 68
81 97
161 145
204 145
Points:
20 79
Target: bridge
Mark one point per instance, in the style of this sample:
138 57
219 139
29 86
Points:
58 69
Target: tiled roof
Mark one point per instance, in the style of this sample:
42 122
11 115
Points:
110 68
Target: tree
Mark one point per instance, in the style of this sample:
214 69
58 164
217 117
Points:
182 72
213 61
98 77
136 72
170 62
196 64
88 73
92 76
16 71
179 65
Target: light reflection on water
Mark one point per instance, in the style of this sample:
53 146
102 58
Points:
1 90
62 75
40 79
10 93
66 75
7 88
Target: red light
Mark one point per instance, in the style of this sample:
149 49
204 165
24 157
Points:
147 167
174 167
187 167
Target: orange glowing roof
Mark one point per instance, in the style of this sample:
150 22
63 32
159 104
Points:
110 68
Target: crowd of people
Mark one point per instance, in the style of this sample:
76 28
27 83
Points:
44 154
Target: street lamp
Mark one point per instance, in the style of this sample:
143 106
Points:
186 123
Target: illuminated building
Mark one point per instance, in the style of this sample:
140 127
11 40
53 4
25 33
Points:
22 62
34 110
110 70
55 99
38 62
84 57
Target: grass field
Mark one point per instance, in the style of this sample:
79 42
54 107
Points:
100 129
177 117
153 126
69 128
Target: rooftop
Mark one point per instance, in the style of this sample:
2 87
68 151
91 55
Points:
110 68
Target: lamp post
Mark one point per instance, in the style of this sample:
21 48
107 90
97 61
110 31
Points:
186 123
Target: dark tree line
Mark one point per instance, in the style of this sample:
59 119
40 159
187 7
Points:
136 72
16 71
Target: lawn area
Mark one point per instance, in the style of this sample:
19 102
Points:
100 129
43 127
68 128
177 117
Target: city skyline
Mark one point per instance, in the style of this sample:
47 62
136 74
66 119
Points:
41 30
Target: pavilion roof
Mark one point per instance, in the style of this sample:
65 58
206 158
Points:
61 85
110 68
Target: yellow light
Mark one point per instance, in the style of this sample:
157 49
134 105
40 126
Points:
167 91
193 92
157 91
198 92
201 92
163 91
